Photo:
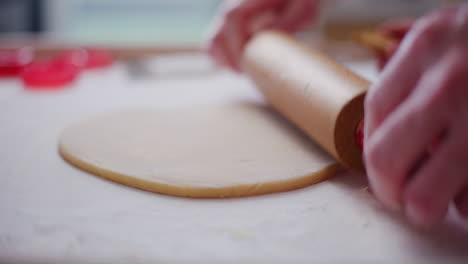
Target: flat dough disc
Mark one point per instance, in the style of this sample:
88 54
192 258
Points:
213 151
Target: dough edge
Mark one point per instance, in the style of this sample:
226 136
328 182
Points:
242 190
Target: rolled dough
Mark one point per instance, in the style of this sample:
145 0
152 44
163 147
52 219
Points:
205 151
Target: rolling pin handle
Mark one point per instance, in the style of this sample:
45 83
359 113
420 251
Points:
359 133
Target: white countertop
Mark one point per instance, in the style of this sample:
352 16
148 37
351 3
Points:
51 212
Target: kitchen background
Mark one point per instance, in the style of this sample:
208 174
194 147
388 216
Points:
162 22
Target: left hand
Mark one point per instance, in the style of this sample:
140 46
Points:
239 20
422 98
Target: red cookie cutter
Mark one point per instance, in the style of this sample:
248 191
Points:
12 61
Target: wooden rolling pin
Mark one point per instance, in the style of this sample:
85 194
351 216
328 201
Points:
321 97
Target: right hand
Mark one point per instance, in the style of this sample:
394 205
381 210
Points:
239 20
416 123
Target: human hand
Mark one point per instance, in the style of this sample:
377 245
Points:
239 20
396 31
422 99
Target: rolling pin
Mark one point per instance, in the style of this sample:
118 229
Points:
321 97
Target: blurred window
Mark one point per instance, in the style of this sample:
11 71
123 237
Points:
131 21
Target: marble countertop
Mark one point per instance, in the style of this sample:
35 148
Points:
51 212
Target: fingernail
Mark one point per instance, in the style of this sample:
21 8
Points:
394 205
384 197
418 219
412 214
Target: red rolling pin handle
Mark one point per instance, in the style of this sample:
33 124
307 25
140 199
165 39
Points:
359 134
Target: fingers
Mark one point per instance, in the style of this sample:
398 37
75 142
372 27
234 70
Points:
384 56
296 15
228 41
461 201
242 18
396 82
428 194
236 29
235 38
403 71
217 49
396 146
397 29
436 105
231 30
443 177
